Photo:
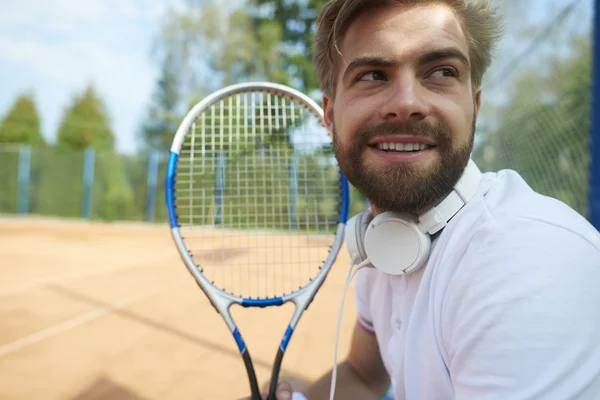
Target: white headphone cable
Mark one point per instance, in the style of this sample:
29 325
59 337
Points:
352 271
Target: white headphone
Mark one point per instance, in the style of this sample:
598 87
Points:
399 243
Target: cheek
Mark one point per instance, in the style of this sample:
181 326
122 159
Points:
341 123
348 118
458 117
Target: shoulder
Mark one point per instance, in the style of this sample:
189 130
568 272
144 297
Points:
516 254
516 248
509 219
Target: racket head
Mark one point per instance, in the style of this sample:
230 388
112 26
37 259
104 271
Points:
256 202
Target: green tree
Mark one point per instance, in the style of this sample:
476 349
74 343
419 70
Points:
20 126
113 197
22 123
86 123
215 47
297 23
163 118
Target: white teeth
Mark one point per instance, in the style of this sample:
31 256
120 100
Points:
402 146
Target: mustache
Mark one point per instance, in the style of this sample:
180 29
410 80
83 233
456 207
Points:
438 132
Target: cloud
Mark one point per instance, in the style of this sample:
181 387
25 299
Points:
60 46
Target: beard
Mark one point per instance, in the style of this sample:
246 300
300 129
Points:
404 187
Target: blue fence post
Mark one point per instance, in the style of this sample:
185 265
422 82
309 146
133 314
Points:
293 190
152 181
594 189
220 186
89 161
24 175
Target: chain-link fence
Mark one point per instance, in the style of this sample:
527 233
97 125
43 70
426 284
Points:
536 100
74 184
115 187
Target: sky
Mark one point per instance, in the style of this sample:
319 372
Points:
55 48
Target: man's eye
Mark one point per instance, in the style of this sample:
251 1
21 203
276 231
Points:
444 73
372 76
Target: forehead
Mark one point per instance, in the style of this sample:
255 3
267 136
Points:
400 31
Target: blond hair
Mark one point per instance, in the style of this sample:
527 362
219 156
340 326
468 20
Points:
479 19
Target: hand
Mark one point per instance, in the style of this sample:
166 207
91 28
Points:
284 391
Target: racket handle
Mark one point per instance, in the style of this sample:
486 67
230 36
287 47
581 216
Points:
275 375
251 376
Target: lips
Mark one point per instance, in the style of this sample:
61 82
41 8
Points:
402 139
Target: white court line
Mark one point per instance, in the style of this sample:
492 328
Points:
76 321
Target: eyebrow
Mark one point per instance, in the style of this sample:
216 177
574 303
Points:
445 53
429 57
371 61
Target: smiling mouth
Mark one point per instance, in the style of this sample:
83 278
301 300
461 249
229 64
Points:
392 147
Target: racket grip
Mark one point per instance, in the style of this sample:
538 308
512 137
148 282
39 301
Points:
275 375
251 376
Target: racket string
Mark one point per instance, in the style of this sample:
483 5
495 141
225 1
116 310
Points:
262 163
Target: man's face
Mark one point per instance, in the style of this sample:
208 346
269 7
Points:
404 112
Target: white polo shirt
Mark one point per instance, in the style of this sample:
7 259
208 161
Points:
507 308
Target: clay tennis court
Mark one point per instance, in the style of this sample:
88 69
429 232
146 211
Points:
108 311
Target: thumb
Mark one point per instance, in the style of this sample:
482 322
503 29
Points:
284 391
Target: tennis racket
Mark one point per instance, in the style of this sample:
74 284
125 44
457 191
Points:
257 204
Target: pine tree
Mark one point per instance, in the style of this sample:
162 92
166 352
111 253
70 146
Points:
22 123
86 124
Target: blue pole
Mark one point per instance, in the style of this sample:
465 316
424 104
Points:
89 159
24 175
293 190
594 189
219 188
152 182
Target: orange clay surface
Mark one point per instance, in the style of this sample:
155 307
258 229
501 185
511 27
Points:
108 311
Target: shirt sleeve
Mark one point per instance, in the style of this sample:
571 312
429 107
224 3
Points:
362 289
521 316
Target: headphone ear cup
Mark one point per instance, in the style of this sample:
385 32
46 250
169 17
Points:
395 245
355 231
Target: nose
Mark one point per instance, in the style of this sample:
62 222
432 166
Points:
405 101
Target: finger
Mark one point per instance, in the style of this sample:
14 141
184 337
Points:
284 391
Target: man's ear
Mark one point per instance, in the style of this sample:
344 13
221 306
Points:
328 113
477 102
